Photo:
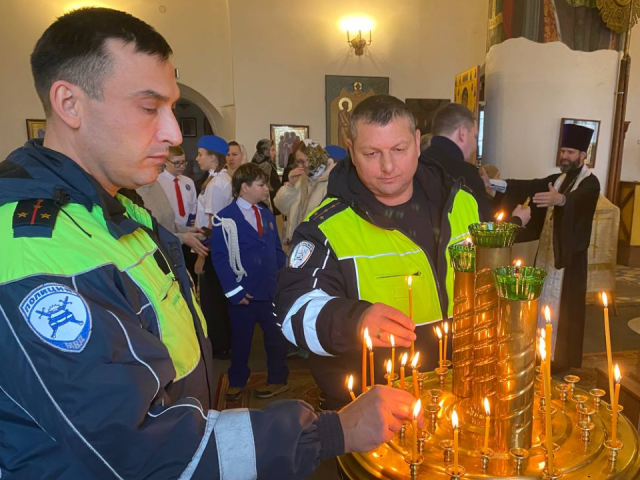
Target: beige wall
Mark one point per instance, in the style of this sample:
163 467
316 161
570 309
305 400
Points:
198 32
282 51
631 155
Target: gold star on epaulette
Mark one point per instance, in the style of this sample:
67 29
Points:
37 207
45 215
22 215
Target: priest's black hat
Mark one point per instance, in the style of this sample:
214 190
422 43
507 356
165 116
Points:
576 136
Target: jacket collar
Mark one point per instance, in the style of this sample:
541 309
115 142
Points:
447 146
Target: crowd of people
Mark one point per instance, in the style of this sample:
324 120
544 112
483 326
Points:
108 348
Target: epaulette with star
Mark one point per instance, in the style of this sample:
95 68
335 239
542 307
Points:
35 218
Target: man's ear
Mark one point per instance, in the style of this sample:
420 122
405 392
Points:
418 135
583 156
66 102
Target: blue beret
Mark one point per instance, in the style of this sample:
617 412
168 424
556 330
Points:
214 144
336 152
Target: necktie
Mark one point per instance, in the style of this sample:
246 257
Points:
179 197
258 219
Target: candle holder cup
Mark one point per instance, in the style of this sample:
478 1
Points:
571 380
520 457
564 389
557 474
447 447
613 449
414 464
435 394
485 456
455 475
597 395
586 428
442 374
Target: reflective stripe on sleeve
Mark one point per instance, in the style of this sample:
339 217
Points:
235 444
316 300
233 292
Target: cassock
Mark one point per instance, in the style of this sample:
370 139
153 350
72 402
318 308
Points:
564 233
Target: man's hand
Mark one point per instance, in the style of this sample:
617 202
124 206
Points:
375 417
523 213
548 199
245 300
487 182
198 268
295 174
382 321
192 239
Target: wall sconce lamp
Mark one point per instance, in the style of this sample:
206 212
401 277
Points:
358 43
357 28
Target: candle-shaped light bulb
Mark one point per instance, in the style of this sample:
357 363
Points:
454 424
439 333
403 363
446 337
388 365
350 386
487 412
414 444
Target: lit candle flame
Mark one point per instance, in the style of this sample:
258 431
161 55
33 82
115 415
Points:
605 301
416 409
369 344
617 374
409 280
487 410
518 263
543 349
366 334
500 216
388 364
404 358
468 241
414 360
392 340
454 420
547 314
446 328
350 383
439 333
543 334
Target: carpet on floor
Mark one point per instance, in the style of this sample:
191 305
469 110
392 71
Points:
301 387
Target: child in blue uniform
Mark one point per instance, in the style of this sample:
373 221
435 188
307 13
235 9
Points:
246 254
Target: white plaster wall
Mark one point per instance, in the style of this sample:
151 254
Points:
197 30
631 154
282 51
529 88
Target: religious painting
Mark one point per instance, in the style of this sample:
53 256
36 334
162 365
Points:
593 146
467 89
188 127
424 109
342 95
283 137
36 128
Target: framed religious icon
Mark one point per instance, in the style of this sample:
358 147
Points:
188 127
283 137
36 128
593 146
342 95
467 89
424 109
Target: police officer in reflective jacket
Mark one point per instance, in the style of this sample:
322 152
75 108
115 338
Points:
106 364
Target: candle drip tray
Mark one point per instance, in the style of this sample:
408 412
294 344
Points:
576 458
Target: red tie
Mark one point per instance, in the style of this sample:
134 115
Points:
179 197
258 219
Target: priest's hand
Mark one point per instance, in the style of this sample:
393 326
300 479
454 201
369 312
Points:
374 417
524 214
382 321
549 199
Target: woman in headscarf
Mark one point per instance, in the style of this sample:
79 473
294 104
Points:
291 161
264 158
307 185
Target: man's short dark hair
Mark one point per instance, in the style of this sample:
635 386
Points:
380 110
448 118
73 49
247 173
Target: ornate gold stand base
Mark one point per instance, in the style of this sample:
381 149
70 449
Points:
576 459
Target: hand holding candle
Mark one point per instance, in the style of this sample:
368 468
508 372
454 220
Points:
487 425
414 423
350 386
403 362
414 374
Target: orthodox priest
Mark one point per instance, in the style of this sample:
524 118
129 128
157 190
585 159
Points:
566 203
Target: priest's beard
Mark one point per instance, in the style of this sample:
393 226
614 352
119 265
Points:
567 166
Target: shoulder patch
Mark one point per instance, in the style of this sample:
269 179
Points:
35 218
327 211
300 254
58 316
